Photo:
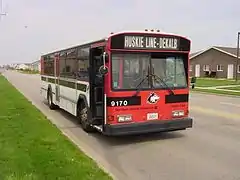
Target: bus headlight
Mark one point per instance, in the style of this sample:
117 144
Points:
178 113
124 118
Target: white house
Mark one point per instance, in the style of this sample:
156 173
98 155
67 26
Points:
36 66
22 66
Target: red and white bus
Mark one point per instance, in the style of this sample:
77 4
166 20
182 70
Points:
127 83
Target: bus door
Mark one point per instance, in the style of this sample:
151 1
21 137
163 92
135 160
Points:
56 74
96 86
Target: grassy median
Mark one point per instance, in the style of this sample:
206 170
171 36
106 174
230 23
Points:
31 148
209 82
215 91
237 88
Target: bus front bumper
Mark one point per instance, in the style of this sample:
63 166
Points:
148 127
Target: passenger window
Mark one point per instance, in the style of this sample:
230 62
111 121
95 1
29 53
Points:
82 72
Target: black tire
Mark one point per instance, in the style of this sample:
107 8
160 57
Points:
83 118
49 99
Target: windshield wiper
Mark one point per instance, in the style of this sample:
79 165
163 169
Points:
157 77
138 89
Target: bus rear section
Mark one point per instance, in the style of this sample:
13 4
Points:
148 85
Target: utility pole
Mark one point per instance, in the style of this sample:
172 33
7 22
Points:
237 64
1 11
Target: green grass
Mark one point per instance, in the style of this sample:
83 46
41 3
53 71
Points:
207 82
237 88
213 91
31 148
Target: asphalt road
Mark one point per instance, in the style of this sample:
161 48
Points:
2 70
210 150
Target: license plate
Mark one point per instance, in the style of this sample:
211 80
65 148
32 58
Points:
152 116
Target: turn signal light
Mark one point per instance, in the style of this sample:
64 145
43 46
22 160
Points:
178 113
124 118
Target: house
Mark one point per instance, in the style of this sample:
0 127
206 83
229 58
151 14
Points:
13 66
216 61
35 66
22 66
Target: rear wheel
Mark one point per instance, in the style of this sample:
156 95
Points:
83 118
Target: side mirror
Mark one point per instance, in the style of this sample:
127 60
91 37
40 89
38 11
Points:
103 70
104 57
193 80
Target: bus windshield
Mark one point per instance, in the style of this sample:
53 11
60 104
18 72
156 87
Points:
128 70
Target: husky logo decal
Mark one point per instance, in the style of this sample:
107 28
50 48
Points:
153 98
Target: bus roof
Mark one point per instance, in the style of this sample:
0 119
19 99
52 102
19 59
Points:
79 45
114 34
147 32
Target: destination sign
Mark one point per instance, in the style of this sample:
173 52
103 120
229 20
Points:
145 42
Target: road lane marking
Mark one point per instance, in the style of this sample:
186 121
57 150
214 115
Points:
230 104
215 112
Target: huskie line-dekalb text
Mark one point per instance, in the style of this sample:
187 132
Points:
150 42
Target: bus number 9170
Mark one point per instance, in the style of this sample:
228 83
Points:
119 103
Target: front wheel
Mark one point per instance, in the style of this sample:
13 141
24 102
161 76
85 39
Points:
83 117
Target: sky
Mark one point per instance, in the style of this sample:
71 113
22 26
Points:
35 27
